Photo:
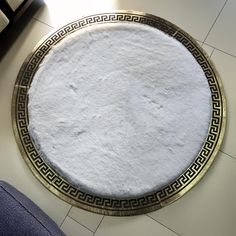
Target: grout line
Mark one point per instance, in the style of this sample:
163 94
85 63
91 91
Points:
65 217
228 155
214 48
232 55
69 210
209 45
42 22
215 21
98 225
224 52
212 52
81 224
163 225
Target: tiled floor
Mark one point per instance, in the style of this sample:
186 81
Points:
207 210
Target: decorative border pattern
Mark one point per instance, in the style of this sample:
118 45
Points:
108 206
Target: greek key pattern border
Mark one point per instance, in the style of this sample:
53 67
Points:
72 194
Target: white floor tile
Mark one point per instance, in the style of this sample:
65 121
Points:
195 17
13 169
58 13
223 34
226 65
132 226
209 209
72 228
88 219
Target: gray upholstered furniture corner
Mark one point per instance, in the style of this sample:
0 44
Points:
20 216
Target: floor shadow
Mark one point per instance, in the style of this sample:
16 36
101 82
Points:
9 37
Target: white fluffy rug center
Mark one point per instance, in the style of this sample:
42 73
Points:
119 110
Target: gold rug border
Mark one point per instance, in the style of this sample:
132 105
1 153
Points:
59 186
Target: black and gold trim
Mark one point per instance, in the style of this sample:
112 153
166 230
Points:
108 206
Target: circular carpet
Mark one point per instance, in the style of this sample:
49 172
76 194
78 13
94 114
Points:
121 111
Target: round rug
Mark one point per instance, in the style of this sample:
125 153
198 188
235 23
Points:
120 114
